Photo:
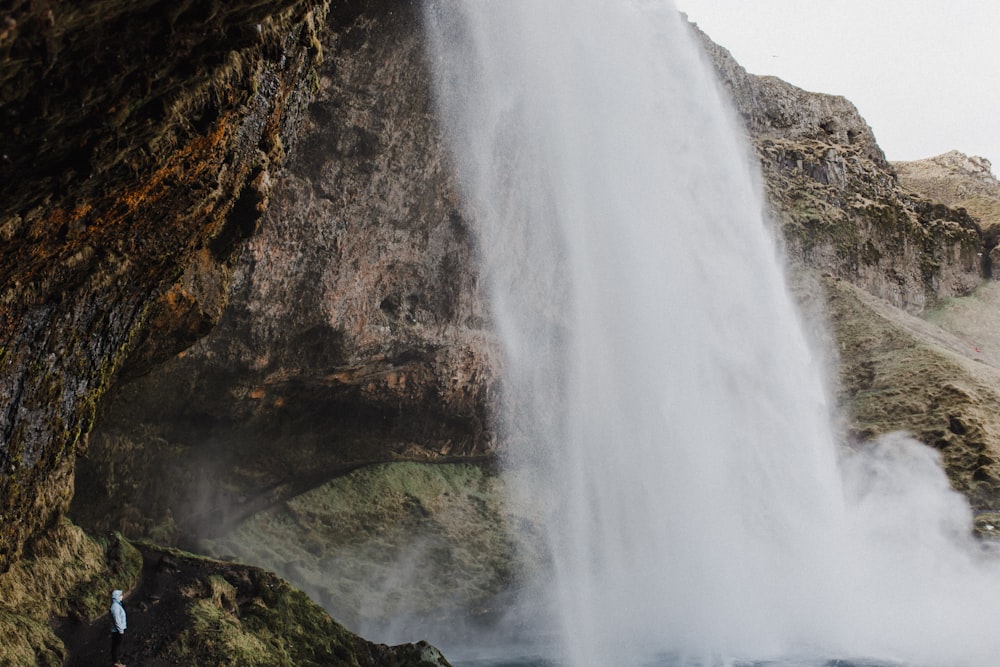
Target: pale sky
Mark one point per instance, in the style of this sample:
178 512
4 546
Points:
924 75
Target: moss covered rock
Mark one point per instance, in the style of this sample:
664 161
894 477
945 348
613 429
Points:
927 376
182 609
397 548
65 574
236 616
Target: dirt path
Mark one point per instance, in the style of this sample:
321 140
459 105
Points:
155 610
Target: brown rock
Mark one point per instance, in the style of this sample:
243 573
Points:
129 134
355 331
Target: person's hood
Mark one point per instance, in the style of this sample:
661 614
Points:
116 596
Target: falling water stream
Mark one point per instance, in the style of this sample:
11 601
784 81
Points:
660 382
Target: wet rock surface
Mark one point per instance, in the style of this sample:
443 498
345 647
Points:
135 135
355 331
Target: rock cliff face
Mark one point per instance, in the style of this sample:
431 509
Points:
354 331
135 136
138 143
839 204
960 181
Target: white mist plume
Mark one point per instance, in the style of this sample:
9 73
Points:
659 374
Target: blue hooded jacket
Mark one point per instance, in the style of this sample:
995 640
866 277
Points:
117 612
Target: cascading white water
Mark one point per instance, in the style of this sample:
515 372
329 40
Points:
659 378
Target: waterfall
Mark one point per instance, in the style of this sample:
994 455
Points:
661 387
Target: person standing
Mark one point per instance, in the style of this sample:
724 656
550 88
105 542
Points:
117 627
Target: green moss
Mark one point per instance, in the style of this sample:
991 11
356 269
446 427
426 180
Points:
218 637
29 641
69 573
394 540
897 373
122 567
223 593
63 573
280 627
166 531
885 218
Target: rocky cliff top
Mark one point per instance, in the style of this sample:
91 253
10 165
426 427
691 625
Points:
775 109
956 179
965 183
836 200
972 174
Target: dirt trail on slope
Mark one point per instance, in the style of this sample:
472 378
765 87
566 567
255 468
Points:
156 615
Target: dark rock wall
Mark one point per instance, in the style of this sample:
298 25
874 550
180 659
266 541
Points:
135 135
354 332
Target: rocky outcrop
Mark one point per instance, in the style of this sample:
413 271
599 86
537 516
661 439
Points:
960 181
182 609
354 333
775 110
837 202
841 213
883 248
952 178
135 136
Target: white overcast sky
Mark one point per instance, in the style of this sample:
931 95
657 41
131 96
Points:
924 75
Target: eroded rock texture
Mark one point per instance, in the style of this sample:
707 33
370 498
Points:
961 181
838 203
134 137
354 331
